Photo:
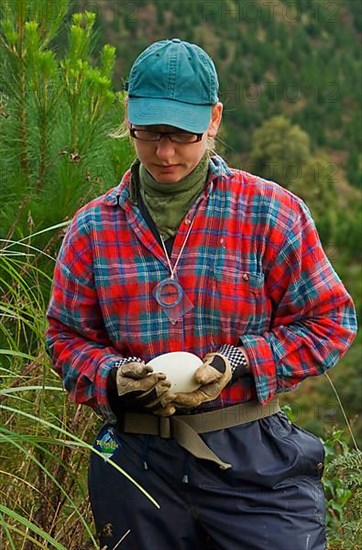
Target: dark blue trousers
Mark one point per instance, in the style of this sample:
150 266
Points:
271 498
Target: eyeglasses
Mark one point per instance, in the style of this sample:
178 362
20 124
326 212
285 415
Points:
176 137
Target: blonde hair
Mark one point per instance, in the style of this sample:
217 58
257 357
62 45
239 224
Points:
122 132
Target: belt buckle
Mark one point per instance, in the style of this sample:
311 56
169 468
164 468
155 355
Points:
164 427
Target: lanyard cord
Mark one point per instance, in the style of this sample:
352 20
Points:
173 269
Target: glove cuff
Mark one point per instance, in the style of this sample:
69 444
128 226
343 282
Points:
237 359
125 360
112 393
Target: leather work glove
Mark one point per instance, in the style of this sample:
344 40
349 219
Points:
140 389
213 375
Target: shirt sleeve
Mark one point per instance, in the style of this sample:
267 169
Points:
314 319
77 340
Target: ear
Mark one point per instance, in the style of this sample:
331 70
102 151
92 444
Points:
216 115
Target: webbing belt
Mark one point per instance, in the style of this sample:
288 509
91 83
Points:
185 429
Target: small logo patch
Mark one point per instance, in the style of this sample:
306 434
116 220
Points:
107 445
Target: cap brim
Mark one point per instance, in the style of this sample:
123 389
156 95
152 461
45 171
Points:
144 111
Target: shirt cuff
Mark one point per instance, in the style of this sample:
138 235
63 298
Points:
103 404
262 366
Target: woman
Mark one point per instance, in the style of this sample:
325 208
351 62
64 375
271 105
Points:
187 254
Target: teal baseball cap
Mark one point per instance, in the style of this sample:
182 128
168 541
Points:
175 83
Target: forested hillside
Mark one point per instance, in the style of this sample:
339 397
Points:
301 58
290 80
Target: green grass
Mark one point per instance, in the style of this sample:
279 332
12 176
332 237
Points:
45 441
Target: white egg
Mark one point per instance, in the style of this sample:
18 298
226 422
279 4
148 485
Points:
179 367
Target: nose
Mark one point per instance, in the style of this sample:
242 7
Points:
165 148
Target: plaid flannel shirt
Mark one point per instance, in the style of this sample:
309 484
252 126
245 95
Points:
253 267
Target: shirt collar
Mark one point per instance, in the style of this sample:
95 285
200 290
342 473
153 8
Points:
219 168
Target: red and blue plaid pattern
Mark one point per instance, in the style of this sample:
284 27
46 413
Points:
253 267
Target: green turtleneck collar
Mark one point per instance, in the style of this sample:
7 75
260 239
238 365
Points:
168 203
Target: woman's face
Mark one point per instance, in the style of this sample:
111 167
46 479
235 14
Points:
169 162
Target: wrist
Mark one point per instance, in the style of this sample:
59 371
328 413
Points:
237 358
112 393
125 360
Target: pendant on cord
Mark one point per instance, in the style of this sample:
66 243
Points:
171 297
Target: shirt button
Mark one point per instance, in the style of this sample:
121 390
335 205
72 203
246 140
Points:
222 241
187 221
246 277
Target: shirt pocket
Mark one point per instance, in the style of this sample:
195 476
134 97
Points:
239 301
